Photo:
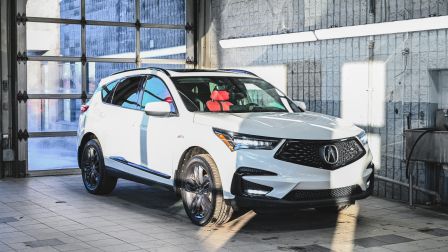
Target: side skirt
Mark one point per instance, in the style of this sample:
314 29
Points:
140 167
123 175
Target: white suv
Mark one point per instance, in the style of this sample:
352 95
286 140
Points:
222 139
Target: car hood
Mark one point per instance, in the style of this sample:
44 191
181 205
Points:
303 125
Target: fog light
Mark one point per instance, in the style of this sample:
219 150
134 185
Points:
254 189
255 192
368 183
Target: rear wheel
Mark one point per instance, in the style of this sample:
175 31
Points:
94 175
201 192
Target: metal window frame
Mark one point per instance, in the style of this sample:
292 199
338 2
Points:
22 19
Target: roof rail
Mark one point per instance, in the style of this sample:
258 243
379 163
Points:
238 71
144 68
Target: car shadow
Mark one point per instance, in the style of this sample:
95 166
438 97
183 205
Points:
160 198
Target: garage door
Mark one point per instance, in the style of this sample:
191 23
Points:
71 45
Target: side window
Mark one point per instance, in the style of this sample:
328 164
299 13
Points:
127 93
108 91
155 90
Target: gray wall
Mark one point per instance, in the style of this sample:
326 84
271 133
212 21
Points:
314 68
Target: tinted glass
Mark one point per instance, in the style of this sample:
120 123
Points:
126 93
108 91
229 94
155 90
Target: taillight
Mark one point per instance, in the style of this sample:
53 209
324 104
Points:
84 108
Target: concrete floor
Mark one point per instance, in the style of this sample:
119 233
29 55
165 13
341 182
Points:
57 214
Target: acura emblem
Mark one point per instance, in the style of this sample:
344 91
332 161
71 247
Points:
330 154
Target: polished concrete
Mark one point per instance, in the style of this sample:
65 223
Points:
57 214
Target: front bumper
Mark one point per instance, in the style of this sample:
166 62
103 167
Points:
334 199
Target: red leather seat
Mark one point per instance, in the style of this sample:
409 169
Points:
219 101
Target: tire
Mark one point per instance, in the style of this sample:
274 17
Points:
201 192
94 174
333 209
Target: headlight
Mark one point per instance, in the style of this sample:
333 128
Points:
362 137
236 141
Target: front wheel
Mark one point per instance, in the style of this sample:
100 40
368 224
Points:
94 175
202 194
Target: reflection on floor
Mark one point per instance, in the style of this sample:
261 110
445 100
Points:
56 214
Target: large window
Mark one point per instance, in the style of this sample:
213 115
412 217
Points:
68 55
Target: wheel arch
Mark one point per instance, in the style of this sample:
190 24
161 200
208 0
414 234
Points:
186 155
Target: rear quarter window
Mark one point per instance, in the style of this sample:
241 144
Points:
107 92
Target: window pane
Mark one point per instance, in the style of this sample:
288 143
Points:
100 70
53 77
53 114
44 39
108 91
162 11
111 10
110 41
50 153
54 9
162 43
126 93
155 91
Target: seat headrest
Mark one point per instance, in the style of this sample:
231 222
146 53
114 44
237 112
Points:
220 95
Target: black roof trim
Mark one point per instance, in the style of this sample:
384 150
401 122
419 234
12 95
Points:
238 71
213 71
189 70
144 68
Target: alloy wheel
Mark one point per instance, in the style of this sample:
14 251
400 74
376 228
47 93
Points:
198 192
91 165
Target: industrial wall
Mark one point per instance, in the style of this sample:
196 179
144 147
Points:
328 74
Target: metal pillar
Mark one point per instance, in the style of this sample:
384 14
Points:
3 76
203 34
19 109
190 33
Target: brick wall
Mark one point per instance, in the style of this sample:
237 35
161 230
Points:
314 68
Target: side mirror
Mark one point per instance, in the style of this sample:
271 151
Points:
301 105
158 108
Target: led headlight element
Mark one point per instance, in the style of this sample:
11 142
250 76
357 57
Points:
236 141
362 137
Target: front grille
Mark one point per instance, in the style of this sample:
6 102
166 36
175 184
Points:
298 195
309 152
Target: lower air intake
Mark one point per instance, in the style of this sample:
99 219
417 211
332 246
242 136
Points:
303 195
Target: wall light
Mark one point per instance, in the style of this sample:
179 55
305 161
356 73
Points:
288 38
414 25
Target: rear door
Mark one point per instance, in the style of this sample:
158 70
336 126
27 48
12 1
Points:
121 115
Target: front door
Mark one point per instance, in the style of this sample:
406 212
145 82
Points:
158 134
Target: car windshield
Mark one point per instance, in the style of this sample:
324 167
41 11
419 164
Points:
232 94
